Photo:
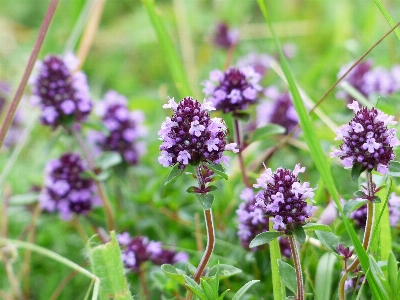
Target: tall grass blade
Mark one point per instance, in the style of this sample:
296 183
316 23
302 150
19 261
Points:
387 16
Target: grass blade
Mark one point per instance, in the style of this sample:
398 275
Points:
387 16
275 254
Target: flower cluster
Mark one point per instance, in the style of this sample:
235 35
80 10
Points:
360 215
137 250
369 81
260 62
280 111
367 140
124 128
65 190
233 89
62 92
224 37
283 197
252 222
191 136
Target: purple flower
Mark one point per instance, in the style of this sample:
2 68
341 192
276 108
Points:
138 250
367 139
191 136
280 111
233 89
65 191
259 62
252 222
124 128
224 37
283 197
369 81
61 91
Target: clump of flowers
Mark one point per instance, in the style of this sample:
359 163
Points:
360 215
124 128
138 250
253 222
225 37
61 91
369 81
280 111
260 62
283 197
191 136
65 190
233 89
367 140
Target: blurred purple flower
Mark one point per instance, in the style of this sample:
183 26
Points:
233 89
280 111
61 91
191 136
283 197
225 37
65 191
367 139
124 128
138 250
259 62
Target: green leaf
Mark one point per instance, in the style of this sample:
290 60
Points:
215 282
174 273
92 175
212 188
262 133
239 294
279 291
360 194
263 238
387 17
377 199
324 276
97 126
356 171
225 271
106 263
392 273
168 50
175 173
108 159
192 189
299 234
378 275
217 169
241 115
288 275
23 199
328 239
207 289
193 286
206 201
223 294
315 226
353 205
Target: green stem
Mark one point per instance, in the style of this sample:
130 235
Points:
28 70
297 266
142 279
241 161
367 234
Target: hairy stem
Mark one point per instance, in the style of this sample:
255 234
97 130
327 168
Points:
239 144
28 70
367 234
142 278
297 266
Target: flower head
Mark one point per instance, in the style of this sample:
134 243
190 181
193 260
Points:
62 92
283 197
258 61
65 191
137 250
124 128
233 89
280 111
191 136
225 37
367 140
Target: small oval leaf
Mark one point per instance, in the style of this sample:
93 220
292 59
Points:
174 273
262 133
264 238
244 289
288 275
315 226
175 173
353 205
356 171
329 240
299 234
108 159
225 271
217 169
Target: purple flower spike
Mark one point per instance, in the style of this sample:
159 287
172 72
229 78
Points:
191 136
62 92
233 89
283 197
367 140
65 191
138 250
125 128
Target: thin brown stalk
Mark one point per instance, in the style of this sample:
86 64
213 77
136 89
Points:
297 266
28 70
62 284
143 284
